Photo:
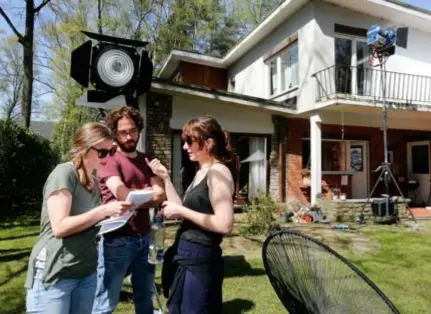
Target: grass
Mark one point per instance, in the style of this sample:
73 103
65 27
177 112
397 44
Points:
401 268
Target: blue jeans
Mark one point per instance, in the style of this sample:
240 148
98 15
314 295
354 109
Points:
119 257
67 296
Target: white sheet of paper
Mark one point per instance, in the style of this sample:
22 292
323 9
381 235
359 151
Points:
344 180
137 197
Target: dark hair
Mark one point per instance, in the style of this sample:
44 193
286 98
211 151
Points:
86 137
202 128
114 115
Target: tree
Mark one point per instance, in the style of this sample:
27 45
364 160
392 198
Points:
27 42
11 78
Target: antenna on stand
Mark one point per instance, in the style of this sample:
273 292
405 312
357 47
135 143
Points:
382 43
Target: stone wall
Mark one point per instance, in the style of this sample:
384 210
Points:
348 211
158 131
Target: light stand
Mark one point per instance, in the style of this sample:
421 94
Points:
382 52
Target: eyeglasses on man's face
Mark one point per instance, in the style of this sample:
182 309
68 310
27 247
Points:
128 132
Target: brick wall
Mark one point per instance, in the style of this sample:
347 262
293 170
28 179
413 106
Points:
397 141
277 159
158 131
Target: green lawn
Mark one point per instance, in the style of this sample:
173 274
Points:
401 269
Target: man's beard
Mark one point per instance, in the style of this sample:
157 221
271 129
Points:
128 147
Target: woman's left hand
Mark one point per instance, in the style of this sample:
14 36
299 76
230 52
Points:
172 210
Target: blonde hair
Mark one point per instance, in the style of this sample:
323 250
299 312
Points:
86 137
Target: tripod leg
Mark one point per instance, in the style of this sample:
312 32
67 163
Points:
372 192
402 196
159 302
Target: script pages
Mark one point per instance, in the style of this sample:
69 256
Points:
137 197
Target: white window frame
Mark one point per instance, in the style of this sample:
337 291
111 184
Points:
354 62
278 90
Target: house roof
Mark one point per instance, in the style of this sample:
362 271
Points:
43 128
398 11
175 88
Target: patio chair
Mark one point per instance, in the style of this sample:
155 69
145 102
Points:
311 278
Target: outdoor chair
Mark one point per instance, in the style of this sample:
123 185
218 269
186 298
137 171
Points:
311 278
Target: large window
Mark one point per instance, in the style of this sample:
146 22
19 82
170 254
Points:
283 69
335 156
352 71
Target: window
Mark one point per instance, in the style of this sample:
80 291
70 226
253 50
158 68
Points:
273 71
178 77
420 159
334 155
357 158
283 69
352 71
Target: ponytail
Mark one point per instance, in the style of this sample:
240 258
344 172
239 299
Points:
77 158
226 154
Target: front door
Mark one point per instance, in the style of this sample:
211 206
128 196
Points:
418 165
359 168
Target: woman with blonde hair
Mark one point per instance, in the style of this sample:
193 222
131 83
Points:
193 266
61 275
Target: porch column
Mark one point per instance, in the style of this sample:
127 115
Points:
316 156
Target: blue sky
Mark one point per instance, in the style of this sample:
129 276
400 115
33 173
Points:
426 4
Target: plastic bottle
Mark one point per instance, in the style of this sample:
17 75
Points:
157 241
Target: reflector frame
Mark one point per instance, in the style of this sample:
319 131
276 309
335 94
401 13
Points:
80 63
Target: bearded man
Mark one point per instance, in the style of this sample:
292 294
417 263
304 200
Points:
125 251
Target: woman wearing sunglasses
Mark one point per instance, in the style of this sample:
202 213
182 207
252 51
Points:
206 211
61 274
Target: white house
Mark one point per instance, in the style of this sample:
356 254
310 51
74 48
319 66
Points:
300 92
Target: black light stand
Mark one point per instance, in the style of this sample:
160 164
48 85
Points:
384 168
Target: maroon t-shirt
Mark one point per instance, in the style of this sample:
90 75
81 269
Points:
135 174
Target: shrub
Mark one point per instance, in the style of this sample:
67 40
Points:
26 160
260 215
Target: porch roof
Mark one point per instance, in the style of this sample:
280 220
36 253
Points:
364 115
176 88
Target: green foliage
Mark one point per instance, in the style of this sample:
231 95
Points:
26 160
260 215
73 117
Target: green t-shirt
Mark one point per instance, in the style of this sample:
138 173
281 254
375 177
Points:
74 256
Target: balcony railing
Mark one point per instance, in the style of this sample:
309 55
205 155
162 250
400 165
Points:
364 83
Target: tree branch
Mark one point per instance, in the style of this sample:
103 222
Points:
44 3
18 34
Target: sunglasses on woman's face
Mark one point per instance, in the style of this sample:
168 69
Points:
103 152
189 141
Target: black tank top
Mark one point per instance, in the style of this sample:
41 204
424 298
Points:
197 199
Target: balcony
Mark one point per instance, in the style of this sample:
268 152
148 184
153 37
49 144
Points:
340 82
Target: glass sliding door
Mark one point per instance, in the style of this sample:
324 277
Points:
353 74
343 62
257 166
363 69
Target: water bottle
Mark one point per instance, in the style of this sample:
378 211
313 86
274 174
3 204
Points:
157 241
341 227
